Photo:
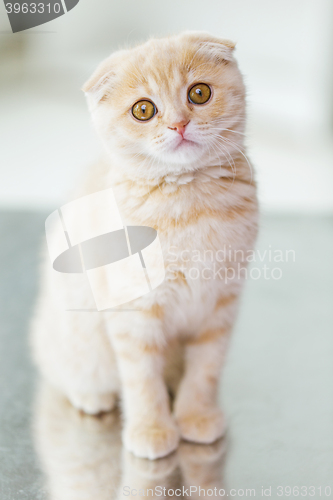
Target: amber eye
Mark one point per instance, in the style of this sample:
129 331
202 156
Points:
199 94
143 110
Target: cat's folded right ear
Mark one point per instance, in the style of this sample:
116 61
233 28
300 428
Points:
98 86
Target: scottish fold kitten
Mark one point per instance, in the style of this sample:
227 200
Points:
171 115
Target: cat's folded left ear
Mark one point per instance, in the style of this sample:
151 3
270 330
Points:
218 49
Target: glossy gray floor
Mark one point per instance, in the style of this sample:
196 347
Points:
277 390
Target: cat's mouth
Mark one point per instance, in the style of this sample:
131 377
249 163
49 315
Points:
184 143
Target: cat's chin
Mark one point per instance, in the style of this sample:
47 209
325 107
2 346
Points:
186 152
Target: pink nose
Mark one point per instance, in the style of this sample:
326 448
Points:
180 127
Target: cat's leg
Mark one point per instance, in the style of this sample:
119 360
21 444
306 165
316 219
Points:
73 352
149 429
93 403
199 418
92 381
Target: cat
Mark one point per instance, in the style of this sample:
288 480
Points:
171 116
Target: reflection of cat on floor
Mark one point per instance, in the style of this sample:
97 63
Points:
180 475
83 459
79 454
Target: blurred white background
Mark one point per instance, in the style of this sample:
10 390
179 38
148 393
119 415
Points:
285 51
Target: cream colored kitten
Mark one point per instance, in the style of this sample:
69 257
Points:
171 114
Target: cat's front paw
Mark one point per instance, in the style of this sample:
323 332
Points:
151 441
150 469
204 426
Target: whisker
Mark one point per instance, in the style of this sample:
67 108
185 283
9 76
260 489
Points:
241 152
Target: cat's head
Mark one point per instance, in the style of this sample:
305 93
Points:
166 106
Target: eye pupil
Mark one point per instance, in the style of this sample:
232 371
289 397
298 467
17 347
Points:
144 110
199 93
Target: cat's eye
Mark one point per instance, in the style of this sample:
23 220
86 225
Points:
199 93
144 110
